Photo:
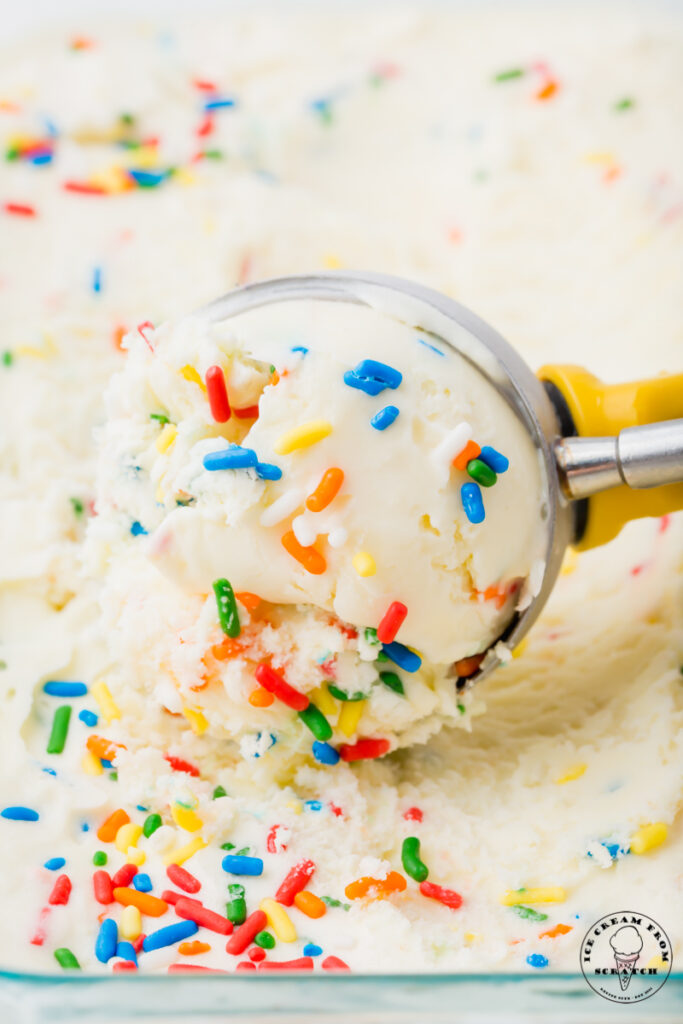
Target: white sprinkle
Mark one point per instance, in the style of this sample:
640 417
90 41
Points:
453 443
282 507
532 585
338 537
304 531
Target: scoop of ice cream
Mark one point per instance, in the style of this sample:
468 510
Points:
330 502
626 941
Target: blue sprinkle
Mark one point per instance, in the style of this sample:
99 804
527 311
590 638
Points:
233 457
379 371
50 127
19 814
324 753
238 865
137 529
267 471
169 935
105 943
141 808
493 459
432 347
143 883
313 805
63 689
300 348
85 827
41 158
97 280
126 950
612 849
402 656
310 949
384 418
537 960
218 104
322 658
472 502
105 763
49 771
147 179
54 863
322 106
88 718
366 384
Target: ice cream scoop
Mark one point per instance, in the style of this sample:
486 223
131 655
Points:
608 454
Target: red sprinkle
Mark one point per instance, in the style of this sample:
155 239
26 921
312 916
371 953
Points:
83 188
172 897
364 750
146 326
19 209
273 682
124 965
333 963
449 897
124 876
102 887
183 879
256 954
40 932
249 412
664 523
240 939
304 963
245 965
60 891
137 943
205 127
393 619
297 879
191 910
218 394
178 765
413 814
194 969
272 845
204 85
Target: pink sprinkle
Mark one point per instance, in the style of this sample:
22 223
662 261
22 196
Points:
146 326
664 523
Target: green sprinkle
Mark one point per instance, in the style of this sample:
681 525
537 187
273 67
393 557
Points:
625 104
509 75
228 615
529 914
272 368
410 858
60 728
12 153
342 695
3 664
244 852
227 846
160 417
265 940
99 858
381 656
236 910
77 506
151 824
371 636
335 903
461 708
218 793
482 473
7 358
66 959
316 722
114 776
236 890
126 118
391 680
213 154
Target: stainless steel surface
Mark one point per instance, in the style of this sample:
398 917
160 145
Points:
639 457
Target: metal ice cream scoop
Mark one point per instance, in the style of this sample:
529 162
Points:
609 453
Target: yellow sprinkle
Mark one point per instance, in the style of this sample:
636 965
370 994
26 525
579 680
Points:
91 765
159 495
521 648
189 373
279 920
166 437
600 158
186 818
108 707
573 773
197 720
136 856
184 177
114 180
648 836
570 562
331 262
546 894
32 352
656 961
130 923
364 563
295 805
350 715
471 938
303 436
145 157
127 836
323 699
184 853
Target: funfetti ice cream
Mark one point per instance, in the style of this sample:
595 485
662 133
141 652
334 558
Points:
160 807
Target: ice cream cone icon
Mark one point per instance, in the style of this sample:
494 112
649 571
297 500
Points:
626 945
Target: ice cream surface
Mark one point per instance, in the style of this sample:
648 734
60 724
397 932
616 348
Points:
520 164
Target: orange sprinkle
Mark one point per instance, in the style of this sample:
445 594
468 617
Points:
106 833
261 698
548 90
309 904
493 593
102 748
559 929
227 648
326 491
118 335
250 601
146 904
275 379
311 559
471 451
468 666
611 174
193 948
376 888
81 43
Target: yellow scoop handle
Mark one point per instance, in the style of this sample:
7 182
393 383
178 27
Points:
602 410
